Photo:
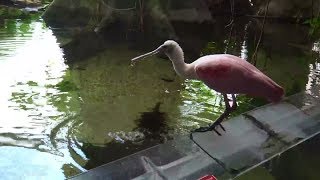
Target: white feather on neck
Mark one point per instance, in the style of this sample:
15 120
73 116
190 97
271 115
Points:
177 58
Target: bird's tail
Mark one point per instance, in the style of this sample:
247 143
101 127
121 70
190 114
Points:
276 94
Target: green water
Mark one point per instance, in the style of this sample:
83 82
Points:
60 118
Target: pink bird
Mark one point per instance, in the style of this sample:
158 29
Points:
224 73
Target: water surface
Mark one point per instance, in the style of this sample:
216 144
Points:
62 117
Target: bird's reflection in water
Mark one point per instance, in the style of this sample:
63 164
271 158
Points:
153 126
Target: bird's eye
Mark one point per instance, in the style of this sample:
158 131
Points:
165 47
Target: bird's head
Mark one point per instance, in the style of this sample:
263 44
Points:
167 47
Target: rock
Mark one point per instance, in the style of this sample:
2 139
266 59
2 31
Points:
236 7
288 8
191 11
68 13
28 3
123 19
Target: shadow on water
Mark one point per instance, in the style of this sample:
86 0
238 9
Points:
153 124
154 130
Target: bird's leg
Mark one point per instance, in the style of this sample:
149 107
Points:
234 103
224 115
226 112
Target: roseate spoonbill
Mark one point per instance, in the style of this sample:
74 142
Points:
224 73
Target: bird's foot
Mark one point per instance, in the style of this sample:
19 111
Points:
211 128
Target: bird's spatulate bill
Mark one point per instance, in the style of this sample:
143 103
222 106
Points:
146 55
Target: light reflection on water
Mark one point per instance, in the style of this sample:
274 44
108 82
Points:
30 65
110 103
314 80
40 116
312 86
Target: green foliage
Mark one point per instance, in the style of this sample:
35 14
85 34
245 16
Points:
32 83
15 13
212 48
66 86
197 92
314 24
2 11
246 103
24 27
209 49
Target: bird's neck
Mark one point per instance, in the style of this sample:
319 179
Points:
177 59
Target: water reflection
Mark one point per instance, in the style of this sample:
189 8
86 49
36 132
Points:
314 79
152 129
98 108
153 124
31 65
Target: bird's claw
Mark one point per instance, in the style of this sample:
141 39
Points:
222 127
210 128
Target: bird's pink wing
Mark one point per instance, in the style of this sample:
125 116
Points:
232 75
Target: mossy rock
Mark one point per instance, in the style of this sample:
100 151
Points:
71 13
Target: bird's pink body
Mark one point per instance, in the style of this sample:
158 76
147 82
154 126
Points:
232 75
224 73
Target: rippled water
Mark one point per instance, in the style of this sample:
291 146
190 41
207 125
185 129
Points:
31 64
63 119
53 114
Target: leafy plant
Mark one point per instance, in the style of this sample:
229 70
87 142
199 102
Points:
67 86
314 24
